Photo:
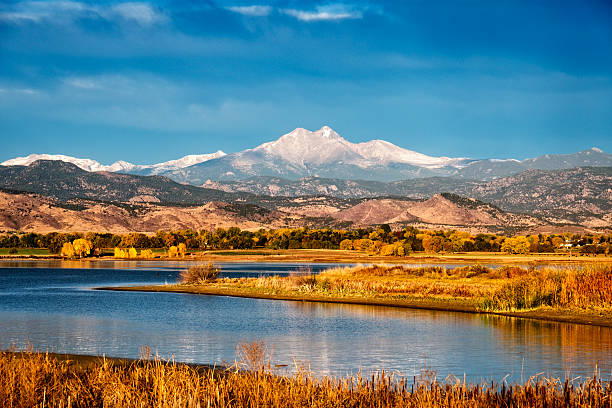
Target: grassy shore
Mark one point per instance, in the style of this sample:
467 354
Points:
572 294
31 379
340 256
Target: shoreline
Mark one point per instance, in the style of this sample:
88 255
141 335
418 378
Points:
452 305
341 256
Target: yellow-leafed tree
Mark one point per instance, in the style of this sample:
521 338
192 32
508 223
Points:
172 251
182 249
516 245
67 250
132 253
120 253
346 244
82 247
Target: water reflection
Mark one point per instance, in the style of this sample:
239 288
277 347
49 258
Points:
54 309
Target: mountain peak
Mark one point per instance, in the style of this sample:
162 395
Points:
302 146
312 136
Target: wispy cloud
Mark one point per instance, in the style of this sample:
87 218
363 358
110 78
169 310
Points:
329 12
68 11
82 82
142 13
18 91
332 12
255 10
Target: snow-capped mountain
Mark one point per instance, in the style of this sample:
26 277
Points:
85 164
325 154
119 166
322 153
303 147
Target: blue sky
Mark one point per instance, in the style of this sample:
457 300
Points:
148 82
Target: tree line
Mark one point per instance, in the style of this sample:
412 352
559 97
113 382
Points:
380 240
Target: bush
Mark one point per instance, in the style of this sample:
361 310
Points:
200 274
13 251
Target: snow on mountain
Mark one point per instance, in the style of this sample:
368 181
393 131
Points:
325 146
119 166
325 154
85 164
383 152
320 153
186 161
301 147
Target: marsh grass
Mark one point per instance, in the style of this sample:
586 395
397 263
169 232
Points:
587 287
508 288
30 379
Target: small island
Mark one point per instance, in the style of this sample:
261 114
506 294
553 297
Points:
577 294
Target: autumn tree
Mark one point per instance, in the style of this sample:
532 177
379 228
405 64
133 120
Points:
516 245
67 250
82 247
346 245
146 253
132 253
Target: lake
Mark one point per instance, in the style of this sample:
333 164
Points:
52 306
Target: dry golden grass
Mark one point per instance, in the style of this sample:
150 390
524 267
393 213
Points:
507 288
38 380
583 288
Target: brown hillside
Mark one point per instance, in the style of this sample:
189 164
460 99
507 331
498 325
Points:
438 210
28 212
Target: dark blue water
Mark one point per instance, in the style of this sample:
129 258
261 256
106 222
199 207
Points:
53 307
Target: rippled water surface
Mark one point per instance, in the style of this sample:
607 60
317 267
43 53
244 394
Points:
53 306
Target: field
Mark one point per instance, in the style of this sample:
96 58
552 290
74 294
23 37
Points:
25 251
29 379
580 294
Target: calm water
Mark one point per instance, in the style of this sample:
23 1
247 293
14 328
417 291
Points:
52 306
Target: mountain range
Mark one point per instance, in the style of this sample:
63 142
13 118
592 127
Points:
54 195
325 154
310 179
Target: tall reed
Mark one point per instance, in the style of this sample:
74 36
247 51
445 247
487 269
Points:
38 380
585 287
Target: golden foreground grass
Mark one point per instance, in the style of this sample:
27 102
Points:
578 294
29 379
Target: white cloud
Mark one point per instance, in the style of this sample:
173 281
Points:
332 12
255 10
68 11
82 83
142 13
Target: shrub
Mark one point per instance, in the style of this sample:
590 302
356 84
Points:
13 251
301 279
200 274
146 253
